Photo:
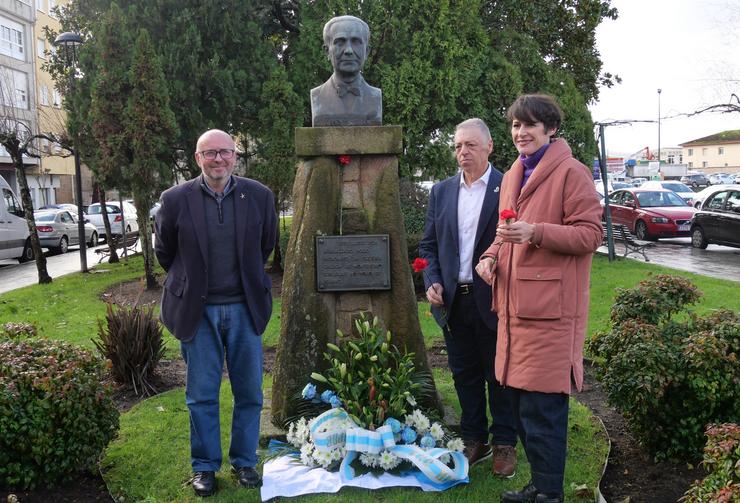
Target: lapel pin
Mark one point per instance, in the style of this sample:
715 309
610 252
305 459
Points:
242 195
496 189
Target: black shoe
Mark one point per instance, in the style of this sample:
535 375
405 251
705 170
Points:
248 477
529 494
526 495
204 483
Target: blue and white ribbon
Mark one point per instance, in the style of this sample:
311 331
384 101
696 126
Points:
334 429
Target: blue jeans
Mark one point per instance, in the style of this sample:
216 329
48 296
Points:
226 330
471 350
543 429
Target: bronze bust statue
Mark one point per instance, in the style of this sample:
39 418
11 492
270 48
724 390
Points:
346 99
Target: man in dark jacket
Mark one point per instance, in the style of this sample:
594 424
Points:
461 222
214 235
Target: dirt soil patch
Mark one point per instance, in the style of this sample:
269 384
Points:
631 475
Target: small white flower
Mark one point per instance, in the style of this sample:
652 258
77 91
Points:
411 400
421 422
323 458
410 420
369 460
437 432
456 445
307 455
445 458
335 454
388 460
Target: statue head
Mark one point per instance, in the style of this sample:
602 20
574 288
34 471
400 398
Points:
346 43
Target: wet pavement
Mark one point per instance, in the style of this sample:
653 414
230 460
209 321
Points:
716 261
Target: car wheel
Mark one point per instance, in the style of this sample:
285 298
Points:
93 239
641 231
63 245
27 252
698 239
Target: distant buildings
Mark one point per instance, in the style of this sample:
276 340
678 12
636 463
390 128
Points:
717 153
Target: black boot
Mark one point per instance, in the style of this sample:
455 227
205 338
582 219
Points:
526 495
204 483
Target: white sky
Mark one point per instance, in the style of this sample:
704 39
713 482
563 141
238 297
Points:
688 48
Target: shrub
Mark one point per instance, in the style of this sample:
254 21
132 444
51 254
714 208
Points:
414 201
56 416
131 338
18 331
722 462
670 378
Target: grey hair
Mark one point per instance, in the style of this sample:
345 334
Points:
475 123
329 23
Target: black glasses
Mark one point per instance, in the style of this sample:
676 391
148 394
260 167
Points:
225 153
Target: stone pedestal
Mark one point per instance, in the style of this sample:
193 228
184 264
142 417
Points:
329 199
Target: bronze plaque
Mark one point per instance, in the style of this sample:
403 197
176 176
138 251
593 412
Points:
351 263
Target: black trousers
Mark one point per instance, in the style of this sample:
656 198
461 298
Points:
471 349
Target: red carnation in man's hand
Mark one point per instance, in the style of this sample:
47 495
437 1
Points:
344 160
419 264
508 216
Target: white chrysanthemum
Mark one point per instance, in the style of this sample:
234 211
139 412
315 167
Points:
456 445
307 455
421 422
388 460
290 436
302 432
437 432
445 458
335 454
369 460
323 458
409 420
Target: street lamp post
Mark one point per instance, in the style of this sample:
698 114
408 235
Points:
659 91
70 42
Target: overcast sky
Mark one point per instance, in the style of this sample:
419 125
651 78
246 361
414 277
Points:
688 48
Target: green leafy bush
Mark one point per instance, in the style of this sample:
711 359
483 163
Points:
414 200
722 462
56 416
18 331
669 378
131 338
371 377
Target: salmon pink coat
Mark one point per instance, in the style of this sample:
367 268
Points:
541 288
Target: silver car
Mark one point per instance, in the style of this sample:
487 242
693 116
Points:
115 217
57 230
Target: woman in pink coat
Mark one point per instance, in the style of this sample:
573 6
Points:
539 266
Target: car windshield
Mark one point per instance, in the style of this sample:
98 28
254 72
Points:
44 217
96 209
654 199
677 187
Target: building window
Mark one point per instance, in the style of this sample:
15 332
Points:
44 95
57 99
13 88
721 150
11 39
704 151
670 159
691 152
52 8
680 158
704 164
691 164
40 5
41 48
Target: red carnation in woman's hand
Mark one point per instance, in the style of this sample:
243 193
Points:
344 160
508 216
419 264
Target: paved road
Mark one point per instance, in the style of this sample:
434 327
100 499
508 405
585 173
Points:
14 275
716 261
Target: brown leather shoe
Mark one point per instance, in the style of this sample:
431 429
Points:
476 451
504 461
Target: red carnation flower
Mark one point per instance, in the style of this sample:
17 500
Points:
419 264
508 216
344 160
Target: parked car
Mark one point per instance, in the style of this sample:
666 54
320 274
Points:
736 178
718 221
721 179
599 185
636 182
651 213
700 196
679 188
58 229
14 235
115 217
695 180
621 185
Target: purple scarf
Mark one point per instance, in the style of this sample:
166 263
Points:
530 162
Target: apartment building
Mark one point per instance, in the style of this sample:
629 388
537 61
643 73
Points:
717 153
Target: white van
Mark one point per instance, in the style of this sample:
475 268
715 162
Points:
14 240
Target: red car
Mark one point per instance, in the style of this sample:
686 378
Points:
651 213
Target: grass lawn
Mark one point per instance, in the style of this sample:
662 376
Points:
157 430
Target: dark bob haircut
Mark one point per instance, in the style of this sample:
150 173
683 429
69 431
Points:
531 108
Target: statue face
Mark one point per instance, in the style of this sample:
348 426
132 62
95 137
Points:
348 48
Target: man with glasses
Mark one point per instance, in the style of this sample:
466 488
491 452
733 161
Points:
214 235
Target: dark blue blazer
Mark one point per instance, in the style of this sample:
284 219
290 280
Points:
441 248
182 249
